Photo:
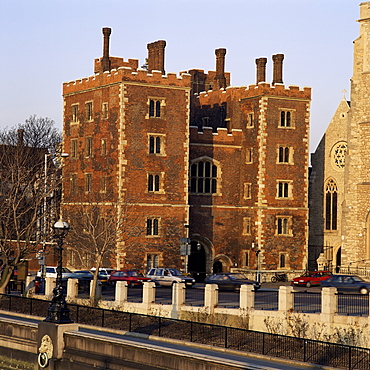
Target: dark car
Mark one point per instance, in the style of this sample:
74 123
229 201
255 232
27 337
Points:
347 284
84 278
132 277
230 281
311 278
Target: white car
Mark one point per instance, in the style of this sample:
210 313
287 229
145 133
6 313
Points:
168 277
51 271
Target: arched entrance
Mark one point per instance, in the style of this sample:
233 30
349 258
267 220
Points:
217 267
197 261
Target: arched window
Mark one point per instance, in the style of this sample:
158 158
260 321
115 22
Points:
331 205
203 177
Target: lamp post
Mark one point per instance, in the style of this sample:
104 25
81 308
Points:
58 312
43 257
257 251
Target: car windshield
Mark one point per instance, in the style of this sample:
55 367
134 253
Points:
175 272
236 276
132 273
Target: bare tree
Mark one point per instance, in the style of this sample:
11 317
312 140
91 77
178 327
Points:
96 227
22 190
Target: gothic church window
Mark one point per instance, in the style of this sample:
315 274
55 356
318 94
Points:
339 152
331 206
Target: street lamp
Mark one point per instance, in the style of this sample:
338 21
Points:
43 257
257 251
58 312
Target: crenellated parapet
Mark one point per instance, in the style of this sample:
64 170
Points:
221 136
261 89
127 74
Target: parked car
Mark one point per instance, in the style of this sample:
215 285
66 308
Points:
132 277
230 281
51 271
311 278
168 277
84 278
103 275
347 284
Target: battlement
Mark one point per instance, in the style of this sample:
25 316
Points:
126 74
244 92
115 63
222 136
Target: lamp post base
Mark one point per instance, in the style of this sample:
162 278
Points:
58 312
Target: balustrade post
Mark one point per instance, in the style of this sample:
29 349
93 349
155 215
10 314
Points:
72 289
210 297
246 297
148 293
178 295
50 283
121 292
286 299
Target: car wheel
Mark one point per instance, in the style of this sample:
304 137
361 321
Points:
308 284
174 283
364 291
273 279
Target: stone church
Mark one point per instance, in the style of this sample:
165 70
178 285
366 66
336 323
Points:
187 157
339 198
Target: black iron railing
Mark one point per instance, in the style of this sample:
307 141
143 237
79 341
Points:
305 350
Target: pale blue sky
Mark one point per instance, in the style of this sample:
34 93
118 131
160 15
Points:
44 43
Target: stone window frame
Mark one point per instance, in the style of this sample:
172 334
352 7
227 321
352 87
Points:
156 107
250 120
195 180
247 225
331 205
284 189
245 258
287 118
103 184
74 148
103 146
284 225
338 155
282 157
248 155
89 144
75 113
283 262
158 258
156 144
155 182
88 182
153 227
89 111
104 110
247 190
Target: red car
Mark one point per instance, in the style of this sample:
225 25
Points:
132 277
311 278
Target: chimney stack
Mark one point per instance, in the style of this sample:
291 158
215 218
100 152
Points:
278 68
105 62
261 70
220 80
156 56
